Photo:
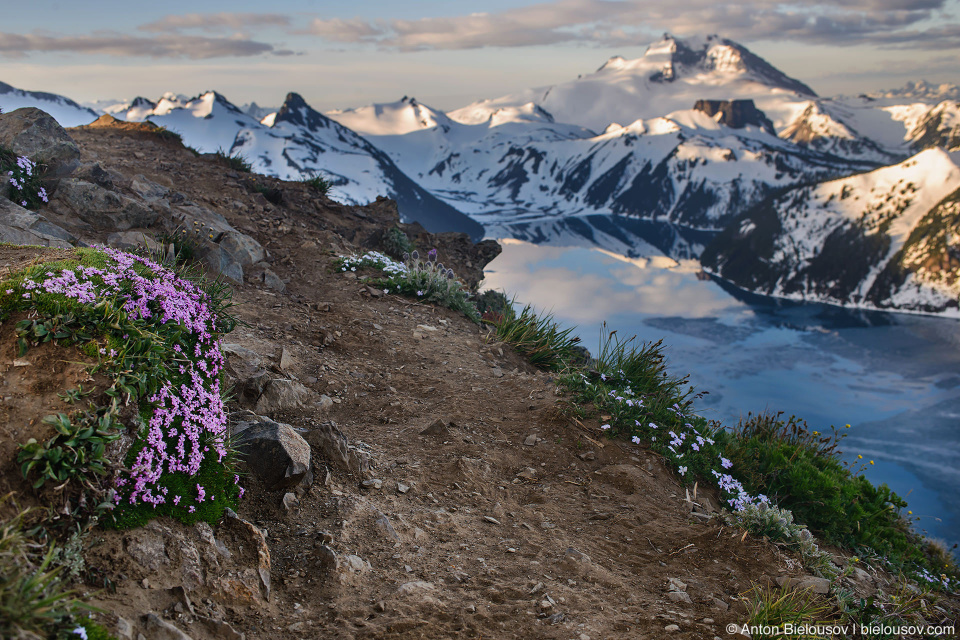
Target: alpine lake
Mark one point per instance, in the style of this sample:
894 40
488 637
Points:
894 377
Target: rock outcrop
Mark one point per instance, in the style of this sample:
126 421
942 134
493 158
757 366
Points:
736 114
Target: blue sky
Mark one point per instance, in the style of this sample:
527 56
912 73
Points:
447 53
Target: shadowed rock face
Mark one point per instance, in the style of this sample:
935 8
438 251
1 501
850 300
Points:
35 134
736 114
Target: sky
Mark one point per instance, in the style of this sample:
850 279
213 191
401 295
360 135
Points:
447 53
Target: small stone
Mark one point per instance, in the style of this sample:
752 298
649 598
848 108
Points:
819 585
124 628
380 606
145 583
471 608
531 440
708 621
546 604
511 550
491 520
290 502
373 483
588 456
436 428
678 596
528 474
402 488
674 584
497 372
286 359
720 604
21 362
671 628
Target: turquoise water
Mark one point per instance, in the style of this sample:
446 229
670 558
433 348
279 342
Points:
894 377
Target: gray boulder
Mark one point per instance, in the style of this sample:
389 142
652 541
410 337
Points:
35 134
281 394
223 248
100 207
21 226
275 452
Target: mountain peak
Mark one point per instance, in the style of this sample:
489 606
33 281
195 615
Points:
295 110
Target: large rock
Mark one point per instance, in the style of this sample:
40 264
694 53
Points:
281 394
223 248
35 134
275 452
101 207
20 226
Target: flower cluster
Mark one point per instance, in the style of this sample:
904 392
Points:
187 421
24 180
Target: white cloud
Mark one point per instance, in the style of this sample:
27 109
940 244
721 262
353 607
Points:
614 23
116 44
213 22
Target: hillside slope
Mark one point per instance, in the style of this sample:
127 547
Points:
506 520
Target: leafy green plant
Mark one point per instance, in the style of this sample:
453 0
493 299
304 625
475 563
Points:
396 243
319 184
796 466
236 161
76 449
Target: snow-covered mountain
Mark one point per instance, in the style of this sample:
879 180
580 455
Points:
670 76
884 239
67 112
697 167
300 143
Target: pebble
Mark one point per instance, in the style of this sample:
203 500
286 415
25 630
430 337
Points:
531 440
491 520
671 628
402 488
373 483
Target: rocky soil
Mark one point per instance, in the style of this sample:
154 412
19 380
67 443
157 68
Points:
407 476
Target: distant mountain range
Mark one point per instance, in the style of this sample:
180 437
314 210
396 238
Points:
700 133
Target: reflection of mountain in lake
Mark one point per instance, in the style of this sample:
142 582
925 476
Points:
630 237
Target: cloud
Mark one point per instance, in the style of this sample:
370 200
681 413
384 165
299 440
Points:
213 22
115 44
615 23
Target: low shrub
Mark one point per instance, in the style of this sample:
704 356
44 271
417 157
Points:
535 336
319 184
427 280
777 525
396 244
774 608
236 161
